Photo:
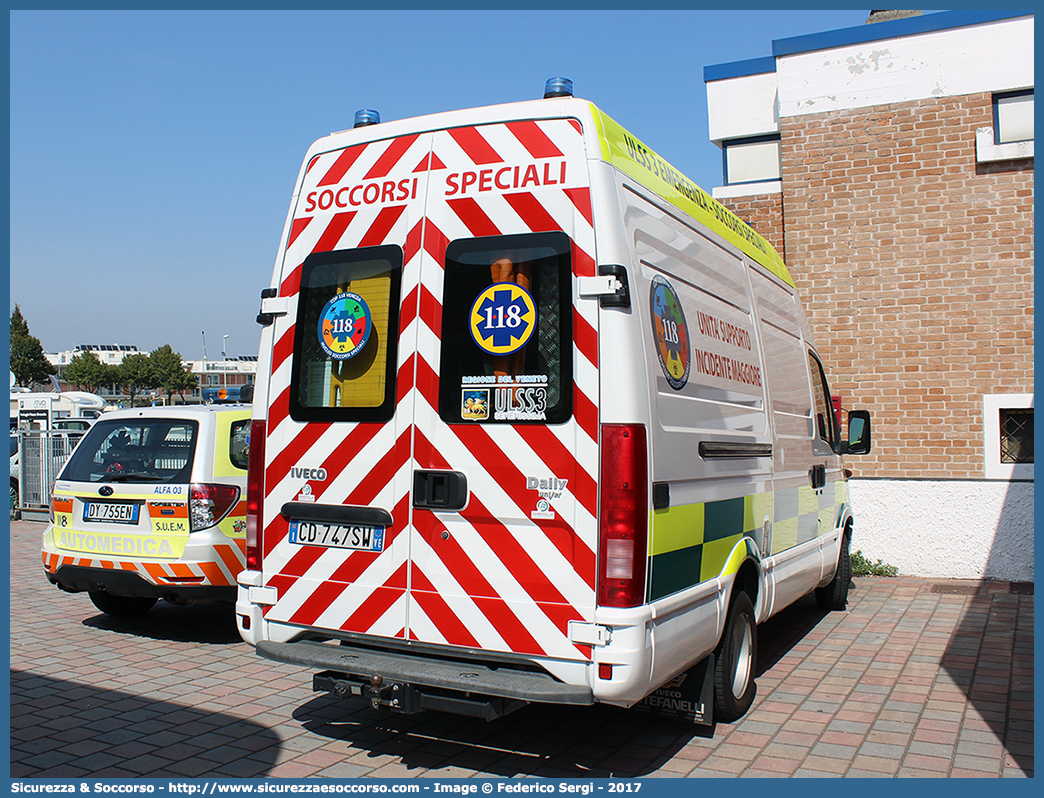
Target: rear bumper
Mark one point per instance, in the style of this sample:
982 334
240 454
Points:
415 669
78 579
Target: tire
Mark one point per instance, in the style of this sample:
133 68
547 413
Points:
121 606
835 595
734 662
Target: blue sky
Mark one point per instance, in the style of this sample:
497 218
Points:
153 153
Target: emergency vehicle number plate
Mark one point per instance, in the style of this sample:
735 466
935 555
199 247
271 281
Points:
339 536
111 512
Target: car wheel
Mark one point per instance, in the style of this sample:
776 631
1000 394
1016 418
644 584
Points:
734 662
835 595
121 606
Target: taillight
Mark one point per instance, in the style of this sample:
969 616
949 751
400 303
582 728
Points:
255 495
208 504
624 519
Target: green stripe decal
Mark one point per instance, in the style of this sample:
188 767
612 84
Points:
674 571
691 543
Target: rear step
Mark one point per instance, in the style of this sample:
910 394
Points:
421 682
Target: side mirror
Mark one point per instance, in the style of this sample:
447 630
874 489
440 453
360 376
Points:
858 433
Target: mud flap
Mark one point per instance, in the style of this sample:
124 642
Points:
688 697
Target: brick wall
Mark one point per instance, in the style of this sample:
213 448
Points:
915 265
767 209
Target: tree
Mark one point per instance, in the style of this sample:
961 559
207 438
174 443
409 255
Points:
135 374
170 373
27 356
87 372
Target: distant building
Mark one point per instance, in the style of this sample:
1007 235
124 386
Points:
892 166
229 373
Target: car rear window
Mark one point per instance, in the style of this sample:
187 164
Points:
135 450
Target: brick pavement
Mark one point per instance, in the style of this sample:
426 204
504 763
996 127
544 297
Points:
916 678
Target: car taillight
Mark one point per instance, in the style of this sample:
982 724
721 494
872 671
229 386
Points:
624 518
255 495
208 504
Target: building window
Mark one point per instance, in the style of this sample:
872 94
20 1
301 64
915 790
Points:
1013 117
1011 135
751 160
1016 435
1008 436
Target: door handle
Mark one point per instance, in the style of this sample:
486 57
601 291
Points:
440 490
817 476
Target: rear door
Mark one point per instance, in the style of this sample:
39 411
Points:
507 393
435 374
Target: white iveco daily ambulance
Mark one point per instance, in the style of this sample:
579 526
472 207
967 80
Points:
536 420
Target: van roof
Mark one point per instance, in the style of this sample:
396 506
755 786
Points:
617 147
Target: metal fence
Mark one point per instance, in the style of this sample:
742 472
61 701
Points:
41 455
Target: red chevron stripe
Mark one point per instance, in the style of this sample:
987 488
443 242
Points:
534 139
382 225
585 337
283 348
431 311
435 243
391 156
581 198
551 450
404 379
296 228
322 596
427 382
513 481
377 603
292 282
429 163
331 236
382 472
408 309
583 264
340 167
585 413
474 146
474 218
294 450
481 592
517 559
533 214
343 454
279 408
413 242
354 566
439 612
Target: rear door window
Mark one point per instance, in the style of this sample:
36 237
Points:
135 450
507 330
346 337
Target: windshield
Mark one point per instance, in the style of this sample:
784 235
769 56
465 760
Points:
134 450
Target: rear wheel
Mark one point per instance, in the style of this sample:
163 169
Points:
734 662
835 595
121 606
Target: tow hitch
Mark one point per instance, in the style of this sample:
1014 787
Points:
410 699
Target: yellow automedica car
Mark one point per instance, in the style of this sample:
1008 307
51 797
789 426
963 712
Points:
151 505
